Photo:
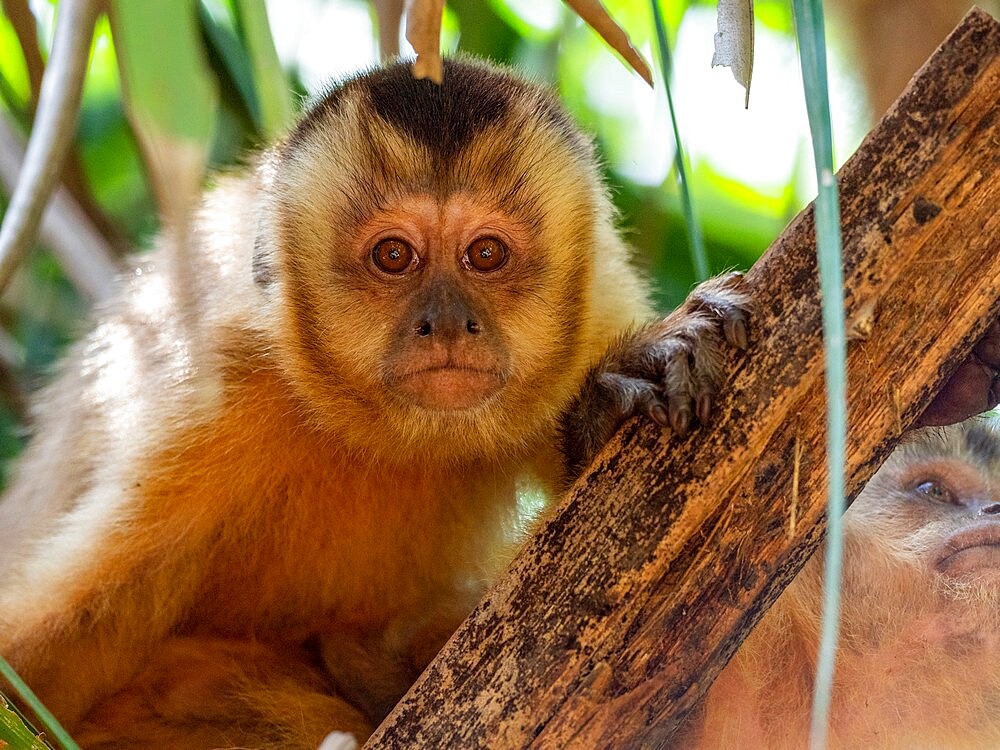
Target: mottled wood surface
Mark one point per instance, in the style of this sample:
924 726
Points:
616 617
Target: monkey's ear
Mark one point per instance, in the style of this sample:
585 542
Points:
264 264
263 259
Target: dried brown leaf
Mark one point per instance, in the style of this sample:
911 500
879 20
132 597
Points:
389 13
423 31
734 41
598 19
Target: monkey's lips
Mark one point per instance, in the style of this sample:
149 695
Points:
972 551
449 387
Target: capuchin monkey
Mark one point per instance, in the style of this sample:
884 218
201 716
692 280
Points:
918 665
268 486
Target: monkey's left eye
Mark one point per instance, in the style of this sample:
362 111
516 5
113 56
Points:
486 254
935 491
393 256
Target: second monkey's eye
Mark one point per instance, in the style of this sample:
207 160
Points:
486 254
934 490
393 256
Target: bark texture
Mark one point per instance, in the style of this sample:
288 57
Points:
616 617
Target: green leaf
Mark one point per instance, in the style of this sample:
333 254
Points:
273 90
15 88
166 78
102 81
14 734
531 19
170 94
237 69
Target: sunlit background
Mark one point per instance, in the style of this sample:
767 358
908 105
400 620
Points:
750 166
750 169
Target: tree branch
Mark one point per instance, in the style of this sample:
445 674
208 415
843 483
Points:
58 106
80 247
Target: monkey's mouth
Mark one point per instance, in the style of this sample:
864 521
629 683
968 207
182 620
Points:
971 551
450 387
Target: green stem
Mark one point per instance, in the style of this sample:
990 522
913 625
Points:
812 52
49 722
699 259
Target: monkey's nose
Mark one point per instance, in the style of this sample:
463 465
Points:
430 328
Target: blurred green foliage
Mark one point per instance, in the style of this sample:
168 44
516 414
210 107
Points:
41 312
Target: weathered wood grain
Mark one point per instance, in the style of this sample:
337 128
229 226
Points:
615 618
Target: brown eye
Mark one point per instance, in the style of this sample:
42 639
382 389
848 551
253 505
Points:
486 254
393 256
936 491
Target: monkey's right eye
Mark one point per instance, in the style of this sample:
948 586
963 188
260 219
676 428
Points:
393 256
935 491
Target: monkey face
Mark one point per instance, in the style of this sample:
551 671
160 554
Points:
936 501
435 246
967 509
922 541
446 350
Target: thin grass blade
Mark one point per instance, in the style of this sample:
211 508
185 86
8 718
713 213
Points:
49 722
812 53
699 258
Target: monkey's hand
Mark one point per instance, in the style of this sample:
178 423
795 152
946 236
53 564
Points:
973 388
668 371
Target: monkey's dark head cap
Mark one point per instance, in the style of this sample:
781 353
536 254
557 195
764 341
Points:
445 118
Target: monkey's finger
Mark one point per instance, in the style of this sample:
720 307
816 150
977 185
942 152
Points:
631 396
637 396
970 390
678 384
703 408
735 328
645 399
704 384
988 348
659 414
690 379
724 298
680 415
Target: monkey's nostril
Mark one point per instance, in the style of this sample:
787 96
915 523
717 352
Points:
991 509
472 326
424 329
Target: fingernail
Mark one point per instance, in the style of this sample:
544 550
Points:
740 336
659 415
681 421
704 408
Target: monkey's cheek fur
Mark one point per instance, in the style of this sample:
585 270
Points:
972 553
449 388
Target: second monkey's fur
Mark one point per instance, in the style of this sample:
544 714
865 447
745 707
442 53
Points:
253 518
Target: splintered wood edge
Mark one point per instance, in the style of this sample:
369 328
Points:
615 618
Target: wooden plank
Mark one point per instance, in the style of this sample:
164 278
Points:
615 618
